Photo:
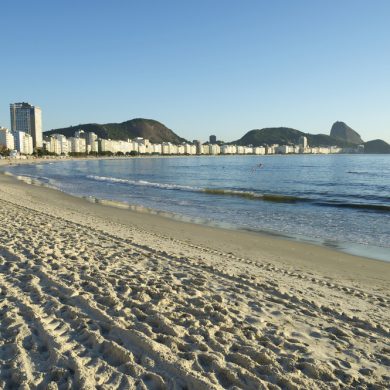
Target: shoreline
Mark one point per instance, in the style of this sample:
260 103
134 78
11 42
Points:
368 252
102 296
292 251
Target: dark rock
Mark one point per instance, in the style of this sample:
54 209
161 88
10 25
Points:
343 132
376 146
286 136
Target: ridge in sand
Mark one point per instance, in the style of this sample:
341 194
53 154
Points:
93 297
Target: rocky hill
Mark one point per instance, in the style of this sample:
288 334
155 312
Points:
285 136
376 146
341 131
153 130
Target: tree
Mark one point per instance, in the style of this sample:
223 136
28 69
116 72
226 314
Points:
4 151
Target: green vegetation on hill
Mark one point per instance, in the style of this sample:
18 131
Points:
153 130
376 146
285 136
156 132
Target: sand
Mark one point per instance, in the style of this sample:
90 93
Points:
93 296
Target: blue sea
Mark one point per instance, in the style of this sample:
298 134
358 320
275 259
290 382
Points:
341 201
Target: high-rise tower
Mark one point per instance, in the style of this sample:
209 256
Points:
213 139
303 142
27 118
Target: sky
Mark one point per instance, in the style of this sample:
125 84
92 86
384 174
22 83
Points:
200 67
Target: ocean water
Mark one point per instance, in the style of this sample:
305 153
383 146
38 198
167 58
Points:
341 201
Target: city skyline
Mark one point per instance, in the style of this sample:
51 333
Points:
207 138
201 68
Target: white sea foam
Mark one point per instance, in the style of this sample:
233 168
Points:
144 183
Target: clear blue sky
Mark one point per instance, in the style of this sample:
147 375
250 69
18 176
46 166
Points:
200 67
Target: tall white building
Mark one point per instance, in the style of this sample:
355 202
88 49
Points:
303 144
28 119
92 142
58 144
303 141
189 149
214 149
77 145
259 150
23 142
7 139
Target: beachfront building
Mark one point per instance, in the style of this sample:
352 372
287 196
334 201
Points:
269 150
174 149
107 145
27 119
139 144
240 149
77 145
284 149
205 149
214 149
248 150
189 149
180 149
6 139
234 149
118 146
92 142
302 143
143 145
127 146
199 146
83 142
335 149
323 150
319 150
168 148
23 142
57 144
104 145
156 148
228 149
259 150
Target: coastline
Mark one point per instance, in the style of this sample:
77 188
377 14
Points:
115 297
249 244
368 252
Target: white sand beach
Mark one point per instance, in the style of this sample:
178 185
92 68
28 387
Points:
97 297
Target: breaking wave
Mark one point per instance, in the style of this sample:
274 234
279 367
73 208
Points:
143 183
250 195
210 191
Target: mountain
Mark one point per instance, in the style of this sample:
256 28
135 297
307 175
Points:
344 133
285 136
155 131
376 146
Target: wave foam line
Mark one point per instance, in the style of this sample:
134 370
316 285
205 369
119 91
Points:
210 191
143 183
276 198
